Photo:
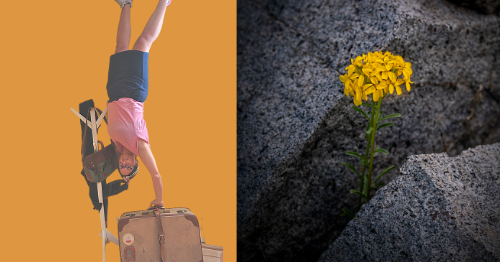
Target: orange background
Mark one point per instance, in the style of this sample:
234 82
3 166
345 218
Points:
55 54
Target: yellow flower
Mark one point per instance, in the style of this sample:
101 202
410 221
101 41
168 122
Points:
357 102
361 80
376 95
370 90
392 76
377 74
350 69
343 78
408 84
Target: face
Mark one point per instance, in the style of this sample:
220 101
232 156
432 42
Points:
128 162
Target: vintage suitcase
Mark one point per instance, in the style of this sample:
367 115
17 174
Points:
211 253
140 236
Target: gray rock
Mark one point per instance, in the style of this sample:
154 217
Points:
294 123
440 209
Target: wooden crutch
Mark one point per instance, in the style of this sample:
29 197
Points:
94 124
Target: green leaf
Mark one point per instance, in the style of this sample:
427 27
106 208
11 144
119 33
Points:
384 125
378 185
361 111
390 116
366 104
383 151
346 211
369 130
357 192
383 173
352 168
356 154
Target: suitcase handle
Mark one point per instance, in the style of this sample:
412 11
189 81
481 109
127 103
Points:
156 207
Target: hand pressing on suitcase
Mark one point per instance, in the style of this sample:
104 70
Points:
149 161
157 203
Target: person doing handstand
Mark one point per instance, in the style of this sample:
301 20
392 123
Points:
127 89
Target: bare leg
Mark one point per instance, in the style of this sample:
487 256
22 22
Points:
152 29
123 35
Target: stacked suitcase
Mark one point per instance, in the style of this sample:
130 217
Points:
211 253
143 233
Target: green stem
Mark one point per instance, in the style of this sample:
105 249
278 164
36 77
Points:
368 147
361 182
374 126
362 179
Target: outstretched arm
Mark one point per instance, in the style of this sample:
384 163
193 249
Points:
149 161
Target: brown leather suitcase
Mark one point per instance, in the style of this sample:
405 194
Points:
140 236
211 253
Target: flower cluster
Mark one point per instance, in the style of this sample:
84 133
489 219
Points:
376 74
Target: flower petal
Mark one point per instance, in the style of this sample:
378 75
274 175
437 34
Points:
376 95
398 89
406 73
361 80
382 85
366 86
358 94
370 90
399 82
384 75
346 90
380 69
350 71
342 78
366 70
392 76
357 102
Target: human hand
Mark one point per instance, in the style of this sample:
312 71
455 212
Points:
156 203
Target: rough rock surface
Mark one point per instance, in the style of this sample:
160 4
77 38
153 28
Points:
440 209
294 123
